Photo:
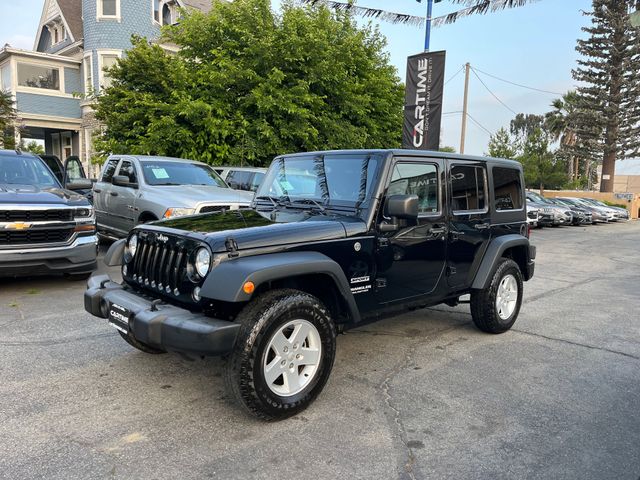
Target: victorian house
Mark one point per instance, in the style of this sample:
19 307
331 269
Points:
75 41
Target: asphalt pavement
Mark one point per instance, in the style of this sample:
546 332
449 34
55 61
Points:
423 396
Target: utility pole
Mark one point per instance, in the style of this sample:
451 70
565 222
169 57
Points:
464 106
427 33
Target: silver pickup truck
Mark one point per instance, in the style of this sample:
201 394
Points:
134 189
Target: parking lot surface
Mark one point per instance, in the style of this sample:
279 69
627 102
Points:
424 395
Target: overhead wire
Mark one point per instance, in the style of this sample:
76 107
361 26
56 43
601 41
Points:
518 84
479 124
493 94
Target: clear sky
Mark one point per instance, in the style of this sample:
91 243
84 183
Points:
532 45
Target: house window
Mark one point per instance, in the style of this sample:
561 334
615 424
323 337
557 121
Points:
109 9
88 73
38 76
156 10
5 77
106 61
55 36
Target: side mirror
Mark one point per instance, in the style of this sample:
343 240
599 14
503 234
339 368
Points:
401 206
123 181
79 184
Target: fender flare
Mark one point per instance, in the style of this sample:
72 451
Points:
494 251
225 281
115 254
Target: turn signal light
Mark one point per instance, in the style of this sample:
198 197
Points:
248 288
85 228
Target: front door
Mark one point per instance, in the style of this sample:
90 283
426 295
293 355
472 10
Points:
411 259
469 228
102 197
123 207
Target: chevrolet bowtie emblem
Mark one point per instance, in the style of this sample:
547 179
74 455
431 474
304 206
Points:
17 226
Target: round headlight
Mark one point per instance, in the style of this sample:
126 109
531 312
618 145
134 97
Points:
203 261
133 245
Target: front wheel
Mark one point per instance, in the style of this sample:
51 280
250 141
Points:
283 355
494 309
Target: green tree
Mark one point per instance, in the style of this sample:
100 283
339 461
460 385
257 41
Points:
7 121
447 149
609 94
33 147
502 146
542 168
247 85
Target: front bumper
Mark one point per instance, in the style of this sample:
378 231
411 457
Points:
163 325
78 257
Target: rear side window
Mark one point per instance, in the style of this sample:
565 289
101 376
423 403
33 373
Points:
419 179
468 188
109 169
507 188
239 179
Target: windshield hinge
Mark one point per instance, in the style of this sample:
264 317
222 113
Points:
232 247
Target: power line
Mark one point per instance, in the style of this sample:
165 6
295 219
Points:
452 113
454 75
493 94
479 124
518 84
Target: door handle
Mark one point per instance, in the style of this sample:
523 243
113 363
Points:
481 226
437 230
114 194
97 190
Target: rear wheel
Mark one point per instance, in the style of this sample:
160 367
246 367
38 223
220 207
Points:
143 347
283 354
495 309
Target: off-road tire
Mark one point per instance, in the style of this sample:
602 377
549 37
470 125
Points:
143 347
259 320
483 302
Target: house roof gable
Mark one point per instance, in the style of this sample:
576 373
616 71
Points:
70 11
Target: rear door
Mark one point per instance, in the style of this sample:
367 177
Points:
122 209
102 193
469 225
411 259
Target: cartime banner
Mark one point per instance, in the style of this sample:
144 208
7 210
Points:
423 101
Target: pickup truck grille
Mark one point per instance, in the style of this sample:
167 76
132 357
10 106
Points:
160 266
54 235
214 208
59 215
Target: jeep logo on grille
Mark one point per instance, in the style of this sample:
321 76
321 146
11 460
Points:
162 238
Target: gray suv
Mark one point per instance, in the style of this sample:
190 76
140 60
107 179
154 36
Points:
141 189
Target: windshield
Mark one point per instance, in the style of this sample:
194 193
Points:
534 197
336 180
180 173
25 170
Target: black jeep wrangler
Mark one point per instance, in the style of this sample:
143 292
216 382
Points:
333 239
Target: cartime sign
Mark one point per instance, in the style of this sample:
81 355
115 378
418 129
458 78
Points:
423 101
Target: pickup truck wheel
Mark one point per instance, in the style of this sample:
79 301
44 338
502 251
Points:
283 355
495 309
143 347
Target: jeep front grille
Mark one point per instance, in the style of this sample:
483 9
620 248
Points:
26 237
159 266
48 215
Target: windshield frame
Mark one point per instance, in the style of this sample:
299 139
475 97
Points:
146 162
33 158
358 206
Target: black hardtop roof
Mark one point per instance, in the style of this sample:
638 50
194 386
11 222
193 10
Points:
399 152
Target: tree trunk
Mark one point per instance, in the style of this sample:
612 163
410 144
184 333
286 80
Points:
542 189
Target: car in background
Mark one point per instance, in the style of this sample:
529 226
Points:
581 215
69 171
608 213
533 214
597 215
44 228
242 178
619 212
550 214
134 189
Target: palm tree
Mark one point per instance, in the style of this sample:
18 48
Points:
7 120
561 125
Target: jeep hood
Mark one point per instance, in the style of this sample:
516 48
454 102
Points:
32 194
251 229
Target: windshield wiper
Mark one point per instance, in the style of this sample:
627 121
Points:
321 207
276 201
166 184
